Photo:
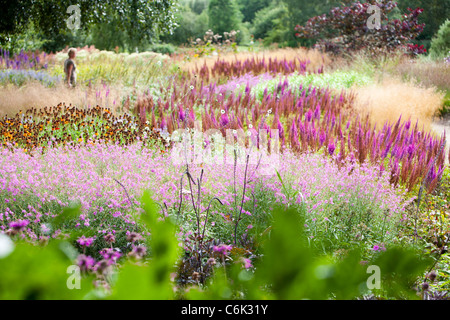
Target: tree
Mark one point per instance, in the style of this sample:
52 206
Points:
435 12
299 11
440 44
250 7
224 16
191 26
346 28
141 19
198 6
266 20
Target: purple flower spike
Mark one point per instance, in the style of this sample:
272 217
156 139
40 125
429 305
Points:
331 148
309 115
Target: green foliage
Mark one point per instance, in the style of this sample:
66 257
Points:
190 26
163 48
151 281
136 69
434 15
336 80
35 273
198 6
400 268
289 269
28 40
440 44
266 20
249 8
298 12
107 36
141 20
224 16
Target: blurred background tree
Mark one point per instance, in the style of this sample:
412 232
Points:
143 24
224 16
434 15
193 22
141 20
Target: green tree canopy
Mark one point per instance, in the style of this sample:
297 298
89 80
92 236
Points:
224 16
141 19
250 7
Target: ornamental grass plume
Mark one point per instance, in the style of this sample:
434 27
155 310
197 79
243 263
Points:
386 101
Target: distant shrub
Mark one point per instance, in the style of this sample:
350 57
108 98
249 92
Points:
163 48
440 45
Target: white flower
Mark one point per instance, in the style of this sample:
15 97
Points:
249 133
222 111
269 111
250 126
234 131
184 191
191 87
6 245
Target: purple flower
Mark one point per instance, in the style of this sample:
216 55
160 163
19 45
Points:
224 120
102 266
138 251
110 254
376 248
309 115
85 263
133 236
19 225
247 263
222 249
85 242
110 238
410 150
181 114
322 138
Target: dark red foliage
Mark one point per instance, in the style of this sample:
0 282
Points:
345 29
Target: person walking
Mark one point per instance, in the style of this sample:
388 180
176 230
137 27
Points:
70 69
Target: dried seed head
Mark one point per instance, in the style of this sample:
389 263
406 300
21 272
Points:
195 276
432 275
211 261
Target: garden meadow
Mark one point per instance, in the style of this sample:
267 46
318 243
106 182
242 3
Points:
225 172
